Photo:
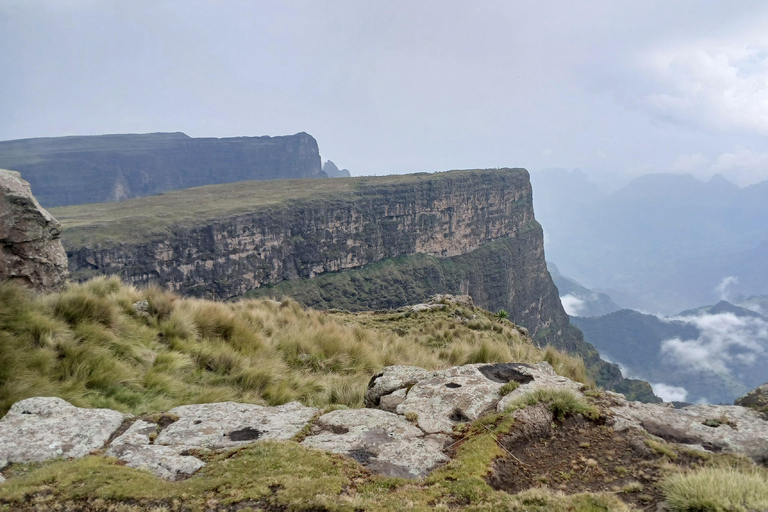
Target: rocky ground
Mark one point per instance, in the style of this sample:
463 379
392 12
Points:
519 428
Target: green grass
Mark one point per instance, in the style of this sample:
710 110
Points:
718 489
562 402
89 346
145 218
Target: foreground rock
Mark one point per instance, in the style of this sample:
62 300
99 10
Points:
439 400
30 250
43 428
756 399
383 442
166 447
714 428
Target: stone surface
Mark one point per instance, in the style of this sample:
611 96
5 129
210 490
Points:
31 252
383 442
393 378
756 399
2 479
734 429
43 428
229 424
459 394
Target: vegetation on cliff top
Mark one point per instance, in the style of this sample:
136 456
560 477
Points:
139 219
91 346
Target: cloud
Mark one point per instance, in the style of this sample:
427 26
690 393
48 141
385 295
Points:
717 84
722 288
727 344
743 166
669 393
572 304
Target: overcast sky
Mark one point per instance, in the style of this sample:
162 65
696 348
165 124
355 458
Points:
614 88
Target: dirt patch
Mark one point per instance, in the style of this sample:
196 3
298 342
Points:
577 455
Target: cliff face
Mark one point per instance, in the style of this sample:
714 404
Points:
94 169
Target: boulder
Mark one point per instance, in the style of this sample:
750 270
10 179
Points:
461 394
30 249
229 424
714 428
43 428
135 448
391 379
383 442
756 399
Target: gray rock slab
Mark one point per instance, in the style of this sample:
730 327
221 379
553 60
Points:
543 376
740 430
44 428
391 379
2 479
229 424
168 462
384 442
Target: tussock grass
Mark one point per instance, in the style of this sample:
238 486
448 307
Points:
90 346
562 402
718 489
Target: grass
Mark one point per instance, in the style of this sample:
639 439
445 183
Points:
137 219
89 346
562 402
718 489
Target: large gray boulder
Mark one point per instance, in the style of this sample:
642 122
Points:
43 428
135 448
714 428
30 249
441 399
229 424
383 442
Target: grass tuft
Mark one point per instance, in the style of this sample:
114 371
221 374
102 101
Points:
562 402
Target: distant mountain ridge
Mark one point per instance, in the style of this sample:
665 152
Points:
664 242
105 168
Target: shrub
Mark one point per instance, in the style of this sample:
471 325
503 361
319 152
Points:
502 314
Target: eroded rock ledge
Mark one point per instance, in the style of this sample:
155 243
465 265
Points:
404 430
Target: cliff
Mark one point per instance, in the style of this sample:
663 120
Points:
477 226
94 169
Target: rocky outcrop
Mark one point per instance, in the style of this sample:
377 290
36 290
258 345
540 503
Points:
76 170
756 399
30 249
43 428
410 442
330 169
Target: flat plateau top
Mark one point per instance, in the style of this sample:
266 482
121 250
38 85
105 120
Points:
146 217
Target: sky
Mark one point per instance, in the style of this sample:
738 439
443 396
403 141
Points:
615 88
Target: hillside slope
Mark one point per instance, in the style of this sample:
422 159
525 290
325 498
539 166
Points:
95 169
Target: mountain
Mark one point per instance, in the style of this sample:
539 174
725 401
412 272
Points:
356 243
578 300
710 354
332 171
664 242
94 169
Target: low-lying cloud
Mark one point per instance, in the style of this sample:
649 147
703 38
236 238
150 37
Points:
669 393
572 304
726 343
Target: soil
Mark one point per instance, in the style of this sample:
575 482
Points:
577 455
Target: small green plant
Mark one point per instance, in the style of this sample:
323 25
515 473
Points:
412 416
632 487
508 388
661 448
502 314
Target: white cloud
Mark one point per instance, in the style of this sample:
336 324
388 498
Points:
669 393
572 304
722 288
718 84
726 343
743 166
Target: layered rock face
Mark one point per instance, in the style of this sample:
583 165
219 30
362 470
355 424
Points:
30 249
443 215
95 169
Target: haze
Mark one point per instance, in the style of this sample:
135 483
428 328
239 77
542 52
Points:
618 89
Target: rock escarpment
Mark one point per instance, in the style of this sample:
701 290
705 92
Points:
756 399
413 418
94 169
30 248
